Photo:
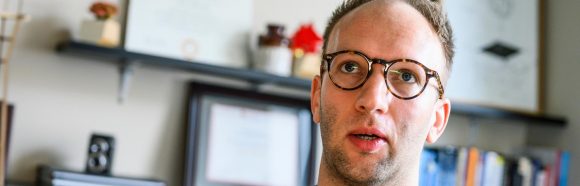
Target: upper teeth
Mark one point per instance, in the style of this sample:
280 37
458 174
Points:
366 136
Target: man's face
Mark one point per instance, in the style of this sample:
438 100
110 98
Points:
388 31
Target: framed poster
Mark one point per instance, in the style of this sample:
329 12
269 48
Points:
243 137
498 54
207 31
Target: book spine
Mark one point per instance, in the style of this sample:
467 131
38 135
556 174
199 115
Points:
564 166
472 162
462 167
447 166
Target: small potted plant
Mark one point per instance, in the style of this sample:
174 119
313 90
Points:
306 46
103 10
104 30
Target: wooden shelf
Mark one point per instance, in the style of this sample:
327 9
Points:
257 77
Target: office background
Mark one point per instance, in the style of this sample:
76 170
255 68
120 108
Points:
60 100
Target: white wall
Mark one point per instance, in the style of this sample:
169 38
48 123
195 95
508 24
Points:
562 82
60 99
486 134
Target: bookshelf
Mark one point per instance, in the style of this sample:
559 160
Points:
125 58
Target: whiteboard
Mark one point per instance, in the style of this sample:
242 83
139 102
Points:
206 31
485 78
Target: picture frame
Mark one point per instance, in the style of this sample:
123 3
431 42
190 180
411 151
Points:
8 134
241 136
498 54
196 31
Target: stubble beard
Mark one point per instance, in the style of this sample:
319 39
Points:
384 171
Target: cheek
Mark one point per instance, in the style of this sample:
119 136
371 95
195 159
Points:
336 108
337 100
329 114
405 111
330 127
412 117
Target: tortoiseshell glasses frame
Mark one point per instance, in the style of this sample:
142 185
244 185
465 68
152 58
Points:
426 75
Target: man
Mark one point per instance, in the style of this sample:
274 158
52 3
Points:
379 96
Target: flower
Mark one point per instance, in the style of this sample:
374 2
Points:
103 10
306 40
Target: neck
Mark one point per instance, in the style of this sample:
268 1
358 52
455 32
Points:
409 175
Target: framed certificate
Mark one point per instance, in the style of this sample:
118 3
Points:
498 59
214 32
243 137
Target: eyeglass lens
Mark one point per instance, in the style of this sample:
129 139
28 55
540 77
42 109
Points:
404 79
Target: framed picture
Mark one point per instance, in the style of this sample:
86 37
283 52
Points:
210 31
7 135
244 137
498 59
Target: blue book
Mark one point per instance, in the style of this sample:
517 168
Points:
447 161
564 165
428 168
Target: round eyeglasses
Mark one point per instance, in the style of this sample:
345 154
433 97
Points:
405 78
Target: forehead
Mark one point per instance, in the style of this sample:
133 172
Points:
389 30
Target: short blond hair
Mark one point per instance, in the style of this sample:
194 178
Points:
432 10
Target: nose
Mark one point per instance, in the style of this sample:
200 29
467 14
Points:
374 97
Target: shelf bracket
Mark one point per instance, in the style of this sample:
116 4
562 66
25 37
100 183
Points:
126 69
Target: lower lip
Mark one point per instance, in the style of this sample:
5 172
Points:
367 145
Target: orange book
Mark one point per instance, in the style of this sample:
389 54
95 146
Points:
472 163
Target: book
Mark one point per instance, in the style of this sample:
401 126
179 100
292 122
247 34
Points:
449 166
447 160
552 162
478 179
493 168
48 176
525 169
472 166
428 168
541 178
462 167
564 166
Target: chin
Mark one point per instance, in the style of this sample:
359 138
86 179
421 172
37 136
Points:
365 175
367 167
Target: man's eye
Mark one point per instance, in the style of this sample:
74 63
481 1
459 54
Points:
350 67
408 77
404 76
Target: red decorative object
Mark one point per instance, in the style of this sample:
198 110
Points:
306 39
103 10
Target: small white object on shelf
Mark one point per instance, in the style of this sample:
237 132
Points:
274 60
307 66
101 32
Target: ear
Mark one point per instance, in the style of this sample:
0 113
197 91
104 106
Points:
315 98
439 120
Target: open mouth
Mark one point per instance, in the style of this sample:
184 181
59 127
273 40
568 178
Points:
368 137
368 140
